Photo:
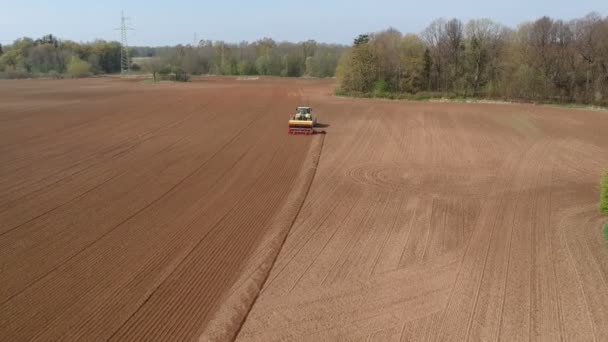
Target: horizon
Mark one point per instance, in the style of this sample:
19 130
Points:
335 23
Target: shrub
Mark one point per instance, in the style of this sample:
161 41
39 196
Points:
78 68
246 68
604 194
53 74
14 74
339 92
381 88
173 73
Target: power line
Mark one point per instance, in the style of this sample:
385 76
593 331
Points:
125 60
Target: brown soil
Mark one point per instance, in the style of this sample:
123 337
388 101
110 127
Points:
433 221
127 209
132 211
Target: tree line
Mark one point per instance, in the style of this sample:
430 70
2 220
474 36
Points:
50 56
545 60
262 57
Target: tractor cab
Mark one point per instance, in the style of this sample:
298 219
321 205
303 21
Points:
303 113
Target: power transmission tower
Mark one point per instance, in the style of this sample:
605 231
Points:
125 60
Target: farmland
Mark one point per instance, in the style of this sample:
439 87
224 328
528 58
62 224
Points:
134 211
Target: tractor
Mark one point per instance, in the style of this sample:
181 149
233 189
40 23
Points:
302 122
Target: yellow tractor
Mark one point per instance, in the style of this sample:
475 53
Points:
302 122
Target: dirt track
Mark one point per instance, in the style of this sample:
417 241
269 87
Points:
135 212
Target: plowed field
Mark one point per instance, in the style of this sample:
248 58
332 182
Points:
133 211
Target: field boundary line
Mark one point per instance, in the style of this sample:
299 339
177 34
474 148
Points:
228 321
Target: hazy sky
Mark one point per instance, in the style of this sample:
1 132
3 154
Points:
172 22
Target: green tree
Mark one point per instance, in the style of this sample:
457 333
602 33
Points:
309 48
262 65
245 67
427 69
386 47
361 39
78 68
11 60
292 65
49 39
414 68
358 69
108 54
264 47
323 63
15 58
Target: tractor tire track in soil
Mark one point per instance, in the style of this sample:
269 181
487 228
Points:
132 211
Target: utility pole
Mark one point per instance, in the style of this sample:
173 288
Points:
125 60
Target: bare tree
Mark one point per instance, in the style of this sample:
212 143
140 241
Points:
485 42
153 65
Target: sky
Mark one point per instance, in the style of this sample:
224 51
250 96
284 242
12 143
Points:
158 23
